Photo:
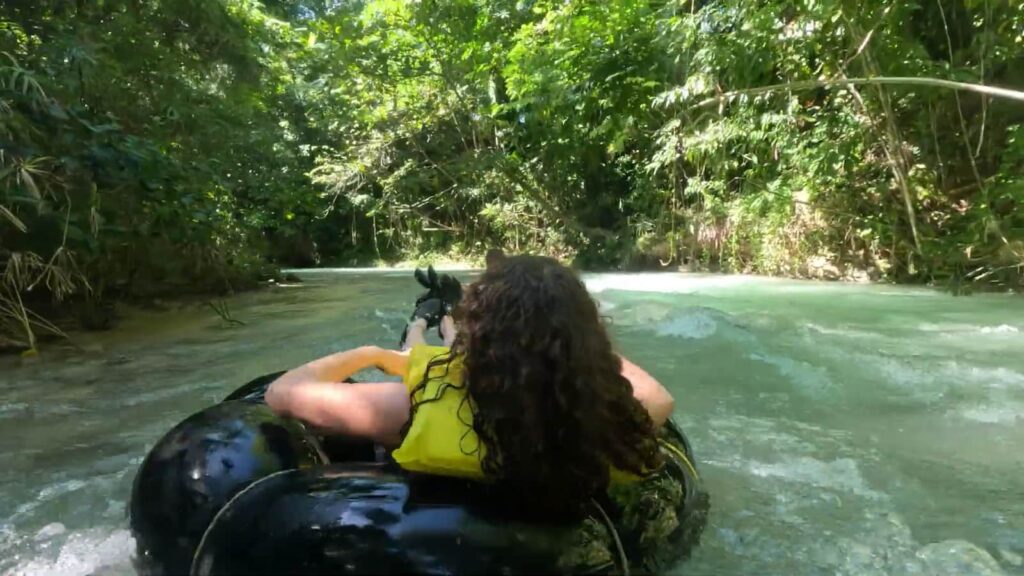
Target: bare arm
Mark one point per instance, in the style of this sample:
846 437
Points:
448 330
414 334
312 393
651 394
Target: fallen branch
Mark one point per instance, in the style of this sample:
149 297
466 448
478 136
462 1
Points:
221 308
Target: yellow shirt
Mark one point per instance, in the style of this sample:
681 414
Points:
441 439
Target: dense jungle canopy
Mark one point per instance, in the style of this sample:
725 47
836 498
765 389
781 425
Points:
160 146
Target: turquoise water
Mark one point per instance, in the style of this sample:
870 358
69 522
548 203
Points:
841 429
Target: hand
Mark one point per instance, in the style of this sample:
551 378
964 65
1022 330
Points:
443 294
412 334
451 292
431 311
444 287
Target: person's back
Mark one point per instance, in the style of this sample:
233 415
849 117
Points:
530 397
550 406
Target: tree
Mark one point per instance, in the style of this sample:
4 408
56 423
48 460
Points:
151 146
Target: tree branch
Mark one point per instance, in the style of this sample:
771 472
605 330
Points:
892 80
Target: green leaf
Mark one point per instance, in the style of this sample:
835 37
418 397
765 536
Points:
14 220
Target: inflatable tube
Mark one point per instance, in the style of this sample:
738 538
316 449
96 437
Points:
197 467
374 519
254 389
234 489
257 387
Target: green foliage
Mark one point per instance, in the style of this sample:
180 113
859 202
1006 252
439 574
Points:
149 146
573 127
896 181
134 136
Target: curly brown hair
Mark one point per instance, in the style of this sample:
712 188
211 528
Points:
549 401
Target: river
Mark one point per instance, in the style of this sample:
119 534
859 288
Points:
841 429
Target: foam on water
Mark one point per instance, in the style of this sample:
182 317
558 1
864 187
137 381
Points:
84 553
1001 413
841 474
61 488
1001 329
13 409
955 329
771 435
643 315
927 373
910 293
815 511
694 326
838 331
50 530
807 376
662 283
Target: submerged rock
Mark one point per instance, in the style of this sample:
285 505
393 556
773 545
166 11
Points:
958 557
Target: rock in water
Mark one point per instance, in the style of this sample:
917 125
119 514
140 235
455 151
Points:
958 557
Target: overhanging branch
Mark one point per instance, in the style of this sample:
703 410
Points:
891 80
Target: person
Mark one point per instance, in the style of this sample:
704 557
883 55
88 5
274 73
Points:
527 396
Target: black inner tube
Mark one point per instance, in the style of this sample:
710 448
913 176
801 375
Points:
362 518
203 482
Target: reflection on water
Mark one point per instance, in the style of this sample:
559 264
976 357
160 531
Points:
841 429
